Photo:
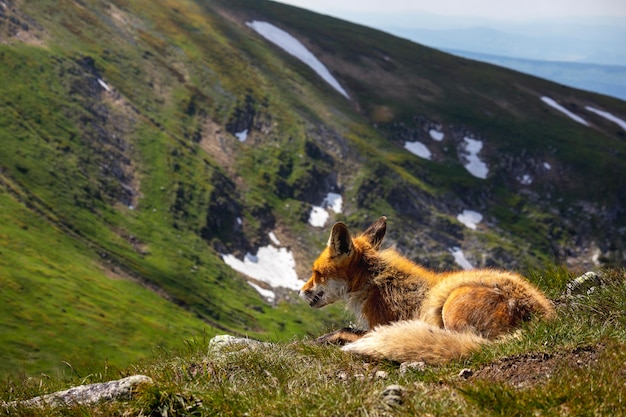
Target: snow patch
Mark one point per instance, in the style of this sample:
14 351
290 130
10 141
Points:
104 85
547 166
294 47
274 239
474 165
419 149
242 136
272 265
525 179
436 135
621 123
269 295
459 258
334 202
470 218
319 214
552 103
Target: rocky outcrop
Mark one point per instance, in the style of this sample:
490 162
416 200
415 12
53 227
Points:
102 139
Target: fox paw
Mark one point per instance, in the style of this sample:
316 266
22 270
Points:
341 336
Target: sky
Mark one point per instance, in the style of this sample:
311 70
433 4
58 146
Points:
490 9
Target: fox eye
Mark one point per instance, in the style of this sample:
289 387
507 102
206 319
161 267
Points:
318 276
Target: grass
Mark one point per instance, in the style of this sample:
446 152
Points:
573 365
60 305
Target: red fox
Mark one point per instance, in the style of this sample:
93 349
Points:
406 312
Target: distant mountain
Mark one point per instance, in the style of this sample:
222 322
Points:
169 169
589 53
590 40
603 79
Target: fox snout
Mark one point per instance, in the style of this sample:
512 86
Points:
313 298
320 295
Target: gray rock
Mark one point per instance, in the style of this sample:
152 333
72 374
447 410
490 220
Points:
466 373
392 395
222 341
407 366
584 284
120 389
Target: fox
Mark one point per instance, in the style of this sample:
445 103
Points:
408 313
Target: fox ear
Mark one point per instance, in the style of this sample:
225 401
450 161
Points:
340 241
376 232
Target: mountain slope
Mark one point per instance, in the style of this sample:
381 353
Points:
144 141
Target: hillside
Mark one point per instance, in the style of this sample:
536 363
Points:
148 146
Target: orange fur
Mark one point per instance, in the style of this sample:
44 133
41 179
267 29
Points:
407 312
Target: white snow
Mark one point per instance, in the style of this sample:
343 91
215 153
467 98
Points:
274 239
621 123
104 85
419 149
294 47
459 258
272 265
268 294
334 202
436 135
474 165
242 136
470 218
547 166
319 214
552 103
525 179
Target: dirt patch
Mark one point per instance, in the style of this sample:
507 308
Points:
529 369
220 145
18 26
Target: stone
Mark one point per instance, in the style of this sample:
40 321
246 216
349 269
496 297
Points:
392 395
465 373
224 340
406 366
117 390
584 284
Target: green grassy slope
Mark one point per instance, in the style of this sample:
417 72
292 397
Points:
59 303
119 191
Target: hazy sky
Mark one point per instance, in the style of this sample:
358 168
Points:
498 9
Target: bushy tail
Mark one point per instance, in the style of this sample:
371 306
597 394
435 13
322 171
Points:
415 340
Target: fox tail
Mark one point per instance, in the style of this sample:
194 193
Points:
415 340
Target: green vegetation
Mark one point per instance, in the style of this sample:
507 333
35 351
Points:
90 270
65 307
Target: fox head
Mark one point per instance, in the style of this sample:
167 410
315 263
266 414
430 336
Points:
335 272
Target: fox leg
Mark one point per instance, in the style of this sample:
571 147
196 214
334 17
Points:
341 336
487 311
